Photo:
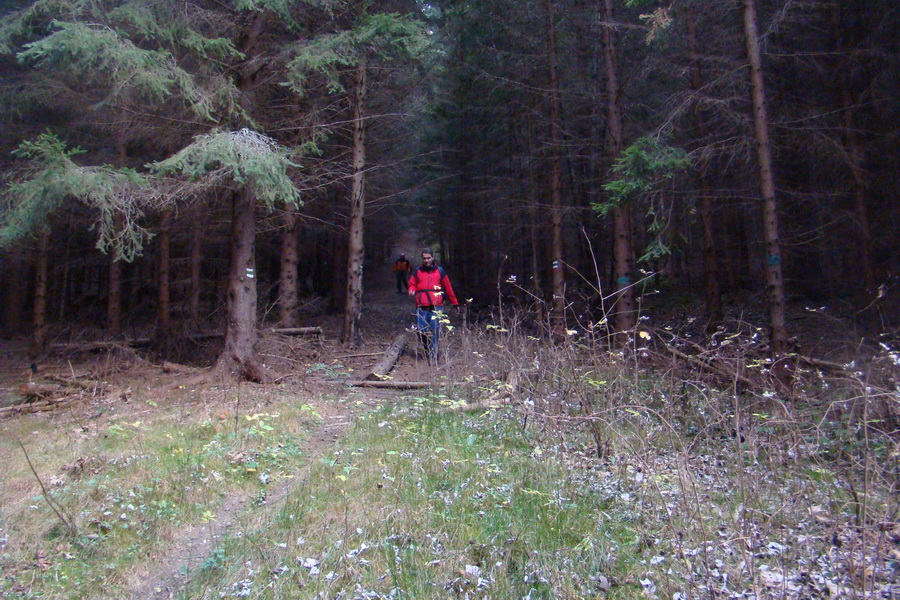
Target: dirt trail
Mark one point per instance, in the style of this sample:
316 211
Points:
386 313
169 574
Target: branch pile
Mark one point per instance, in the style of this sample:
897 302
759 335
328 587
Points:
59 391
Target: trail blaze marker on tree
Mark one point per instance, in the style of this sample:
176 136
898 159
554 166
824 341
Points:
555 264
250 273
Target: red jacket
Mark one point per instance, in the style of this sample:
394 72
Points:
430 287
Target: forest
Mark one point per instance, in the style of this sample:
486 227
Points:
670 226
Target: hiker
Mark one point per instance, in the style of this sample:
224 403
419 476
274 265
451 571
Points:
429 285
402 270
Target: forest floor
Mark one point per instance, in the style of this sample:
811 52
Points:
521 471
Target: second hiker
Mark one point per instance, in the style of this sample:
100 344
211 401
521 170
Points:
430 286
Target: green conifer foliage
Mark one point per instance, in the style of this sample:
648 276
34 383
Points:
52 177
244 157
640 170
382 34
91 52
642 165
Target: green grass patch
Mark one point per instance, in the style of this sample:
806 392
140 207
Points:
125 487
427 503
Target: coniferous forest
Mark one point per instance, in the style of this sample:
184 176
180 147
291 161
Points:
697 193
741 152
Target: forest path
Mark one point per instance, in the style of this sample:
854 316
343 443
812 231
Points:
168 574
386 313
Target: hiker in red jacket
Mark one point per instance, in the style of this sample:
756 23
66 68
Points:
430 286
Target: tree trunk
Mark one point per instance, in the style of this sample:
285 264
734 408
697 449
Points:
196 259
288 297
710 254
558 307
16 291
710 251
239 356
535 248
164 309
623 251
39 340
855 157
355 246
774 277
114 300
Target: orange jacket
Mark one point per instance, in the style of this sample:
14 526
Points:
402 265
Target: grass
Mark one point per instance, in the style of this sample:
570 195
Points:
420 501
698 492
426 503
128 483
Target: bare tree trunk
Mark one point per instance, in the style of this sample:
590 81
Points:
623 251
196 260
164 310
39 340
774 277
860 206
855 158
337 277
356 245
536 287
114 300
288 297
710 254
239 356
558 307
16 290
710 251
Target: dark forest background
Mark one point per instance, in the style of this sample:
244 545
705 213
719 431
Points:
510 135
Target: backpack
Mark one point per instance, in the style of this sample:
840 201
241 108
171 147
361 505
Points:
439 268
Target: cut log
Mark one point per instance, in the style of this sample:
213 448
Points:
31 407
40 391
70 382
391 356
397 385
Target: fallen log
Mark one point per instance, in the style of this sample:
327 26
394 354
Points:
391 356
823 364
31 407
710 367
397 385
70 382
91 346
148 341
297 330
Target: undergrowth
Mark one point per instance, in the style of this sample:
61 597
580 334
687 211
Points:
574 469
